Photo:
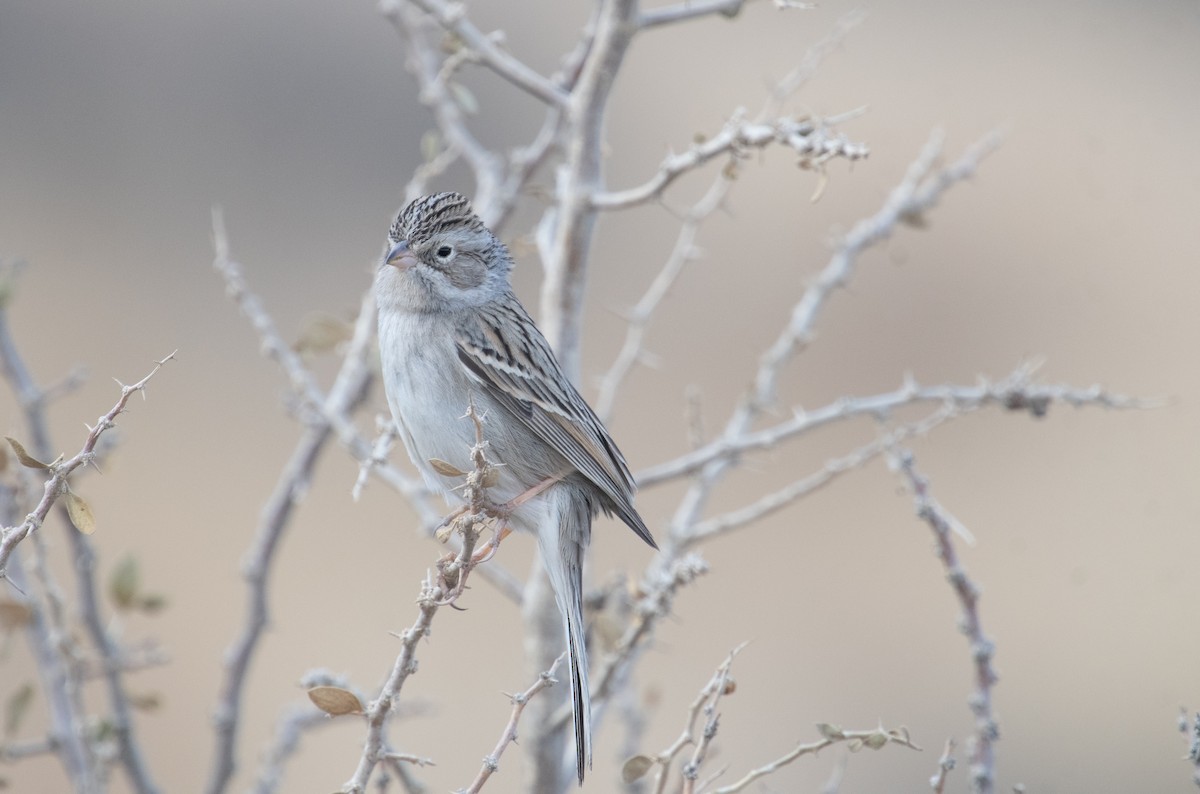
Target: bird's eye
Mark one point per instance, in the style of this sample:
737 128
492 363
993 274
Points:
444 252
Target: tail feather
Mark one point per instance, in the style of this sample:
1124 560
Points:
563 537
580 693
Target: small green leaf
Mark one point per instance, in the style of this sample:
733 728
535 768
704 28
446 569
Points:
124 583
16 707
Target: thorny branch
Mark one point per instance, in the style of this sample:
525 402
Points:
922 186
62 675
830 734
60 470
946 764
509 736
437 591
982 648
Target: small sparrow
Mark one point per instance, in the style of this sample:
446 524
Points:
452 334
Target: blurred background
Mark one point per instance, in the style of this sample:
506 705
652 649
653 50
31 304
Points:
123 123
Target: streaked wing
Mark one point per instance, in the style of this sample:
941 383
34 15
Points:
506 353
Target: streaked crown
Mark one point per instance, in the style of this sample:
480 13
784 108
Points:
434 216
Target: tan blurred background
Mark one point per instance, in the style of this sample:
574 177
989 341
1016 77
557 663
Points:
122 123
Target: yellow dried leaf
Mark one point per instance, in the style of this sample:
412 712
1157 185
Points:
636 768
446 469
23 456
335 701
80 513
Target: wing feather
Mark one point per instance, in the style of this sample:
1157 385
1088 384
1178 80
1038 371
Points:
511 359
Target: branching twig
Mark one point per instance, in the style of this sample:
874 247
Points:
1016 391
920 190
492 762
294 722
436 592
419 32
830 735
720 685
982 647
639 317
60 470
486 50
945 765
59 670
812 141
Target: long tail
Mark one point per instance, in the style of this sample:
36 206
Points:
563 541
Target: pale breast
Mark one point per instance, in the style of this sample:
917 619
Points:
428 391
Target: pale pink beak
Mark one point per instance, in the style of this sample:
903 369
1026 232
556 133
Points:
400 256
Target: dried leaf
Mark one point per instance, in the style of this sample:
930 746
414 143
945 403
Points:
16 707
3 459
465 99
828 731
150 701
335 701
636 768
322 333
14 614
446 469
23 456
155 602
80 513
124 583
875 739
431 145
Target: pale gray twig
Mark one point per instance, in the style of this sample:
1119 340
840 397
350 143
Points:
684 251
60 470
719 685
690 9
571 222
61 671
830 735
491 763
945 765
436 592
1016 391
486 49
919 190
292 725
810 139
419 32
17 751
987 731
835 467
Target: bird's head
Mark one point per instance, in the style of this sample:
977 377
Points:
439 254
